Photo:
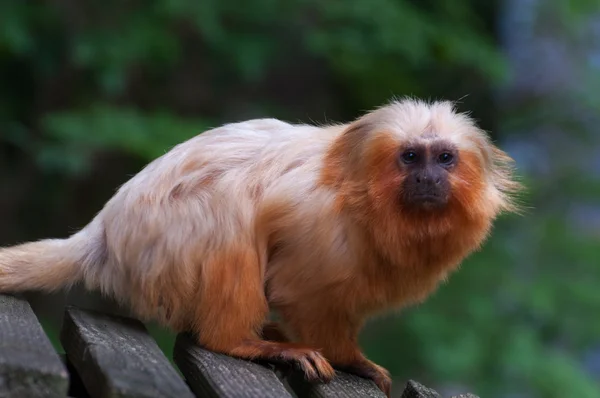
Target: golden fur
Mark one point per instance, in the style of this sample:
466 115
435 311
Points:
301 219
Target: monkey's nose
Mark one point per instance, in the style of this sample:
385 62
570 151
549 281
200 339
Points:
427 179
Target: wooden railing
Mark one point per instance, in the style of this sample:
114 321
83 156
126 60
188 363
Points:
111 356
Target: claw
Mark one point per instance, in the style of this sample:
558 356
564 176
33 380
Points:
314 366
310 361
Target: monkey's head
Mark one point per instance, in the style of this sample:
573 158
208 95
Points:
414 170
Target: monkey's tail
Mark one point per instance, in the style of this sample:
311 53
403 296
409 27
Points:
45 265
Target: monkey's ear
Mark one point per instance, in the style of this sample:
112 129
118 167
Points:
343 158
353 138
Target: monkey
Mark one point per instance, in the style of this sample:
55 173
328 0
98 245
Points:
326 225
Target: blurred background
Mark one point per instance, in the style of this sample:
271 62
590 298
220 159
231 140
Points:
90 92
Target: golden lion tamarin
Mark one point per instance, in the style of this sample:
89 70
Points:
326 225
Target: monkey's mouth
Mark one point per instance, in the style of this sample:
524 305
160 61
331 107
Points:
426 200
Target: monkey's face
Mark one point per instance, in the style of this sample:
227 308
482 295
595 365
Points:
426 168
423 184
428 185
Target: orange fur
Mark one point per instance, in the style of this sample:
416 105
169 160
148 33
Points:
304 220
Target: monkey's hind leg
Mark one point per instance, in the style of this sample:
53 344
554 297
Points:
232 309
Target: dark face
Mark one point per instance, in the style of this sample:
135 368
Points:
427 167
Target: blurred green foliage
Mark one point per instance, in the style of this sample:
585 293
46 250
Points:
372 49
134 78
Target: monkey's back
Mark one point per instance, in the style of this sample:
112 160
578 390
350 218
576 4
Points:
244 157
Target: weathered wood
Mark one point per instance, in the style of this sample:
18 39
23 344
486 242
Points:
344 385
29 365
76 387
417 390
211 374
116 357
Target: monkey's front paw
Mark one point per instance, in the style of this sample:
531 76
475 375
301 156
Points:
314 366
307 359
369 370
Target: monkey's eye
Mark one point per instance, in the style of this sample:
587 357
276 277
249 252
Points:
409 157
445 158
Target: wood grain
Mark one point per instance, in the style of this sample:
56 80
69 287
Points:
116 357
210 374
344 385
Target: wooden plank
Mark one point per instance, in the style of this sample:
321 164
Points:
417 390
210 374
414 389
116 357
344 385
76 387
29 365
